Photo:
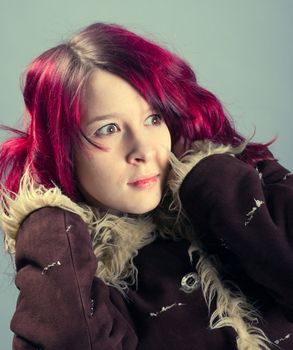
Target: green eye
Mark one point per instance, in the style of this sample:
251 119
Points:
154 119
107 130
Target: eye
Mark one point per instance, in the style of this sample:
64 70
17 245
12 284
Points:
107 130
154 119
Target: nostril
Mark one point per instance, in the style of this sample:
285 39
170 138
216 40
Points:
141 154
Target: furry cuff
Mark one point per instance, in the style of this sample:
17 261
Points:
29 198
182 166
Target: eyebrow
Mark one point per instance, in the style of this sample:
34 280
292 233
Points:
103 117
113 115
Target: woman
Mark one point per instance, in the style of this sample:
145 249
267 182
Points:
139 217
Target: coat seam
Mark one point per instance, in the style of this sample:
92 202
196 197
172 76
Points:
78 286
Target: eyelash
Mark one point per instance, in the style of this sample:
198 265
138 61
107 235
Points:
99 134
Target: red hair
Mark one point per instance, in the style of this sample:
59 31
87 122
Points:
53 90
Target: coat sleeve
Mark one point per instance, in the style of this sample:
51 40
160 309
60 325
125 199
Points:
61 304
250 214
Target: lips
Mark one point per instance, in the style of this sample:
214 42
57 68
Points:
144 181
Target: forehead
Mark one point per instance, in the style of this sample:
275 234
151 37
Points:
107 93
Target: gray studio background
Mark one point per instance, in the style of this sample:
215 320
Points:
240 50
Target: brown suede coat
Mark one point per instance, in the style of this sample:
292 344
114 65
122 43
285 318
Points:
245 218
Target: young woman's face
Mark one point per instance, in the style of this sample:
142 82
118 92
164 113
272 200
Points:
128 172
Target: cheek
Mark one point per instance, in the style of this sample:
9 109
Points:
165 146
85 167
162 139
96 169
166 143
91 178
166 156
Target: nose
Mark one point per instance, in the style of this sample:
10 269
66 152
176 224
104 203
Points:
141 151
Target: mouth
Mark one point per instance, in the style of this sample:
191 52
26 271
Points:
144 182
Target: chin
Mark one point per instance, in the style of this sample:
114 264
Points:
142 209
140 212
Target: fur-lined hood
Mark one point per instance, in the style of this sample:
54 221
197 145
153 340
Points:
117 240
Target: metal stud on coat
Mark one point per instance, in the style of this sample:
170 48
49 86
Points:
190 282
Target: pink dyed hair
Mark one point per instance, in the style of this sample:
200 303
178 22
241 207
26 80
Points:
54 84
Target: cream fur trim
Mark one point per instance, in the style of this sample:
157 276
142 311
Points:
116 241
15 207
232 310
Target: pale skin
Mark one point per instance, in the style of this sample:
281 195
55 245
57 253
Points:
134 145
